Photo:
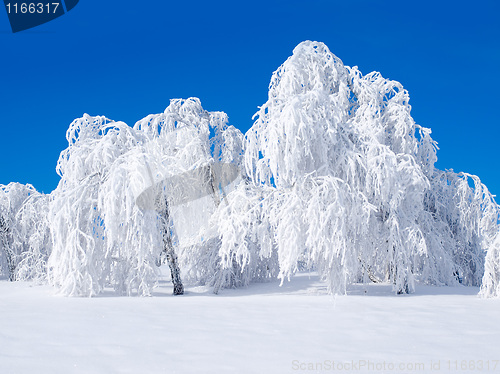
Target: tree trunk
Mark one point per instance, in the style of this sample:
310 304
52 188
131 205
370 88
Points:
168 248
172 263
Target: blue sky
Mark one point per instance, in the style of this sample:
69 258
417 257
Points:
126 59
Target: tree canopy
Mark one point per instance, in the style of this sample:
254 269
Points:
334 176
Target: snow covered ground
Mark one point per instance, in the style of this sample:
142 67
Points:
296 328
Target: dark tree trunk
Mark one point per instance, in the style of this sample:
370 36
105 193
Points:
172 263
168 249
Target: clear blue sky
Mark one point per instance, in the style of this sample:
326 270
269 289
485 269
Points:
126 59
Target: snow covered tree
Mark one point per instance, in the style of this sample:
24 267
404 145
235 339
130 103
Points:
490 286
127 196
462 223
101 239
355 192
22 235
32 240
200 156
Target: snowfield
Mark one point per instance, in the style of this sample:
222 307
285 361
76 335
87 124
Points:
334 175
263 328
